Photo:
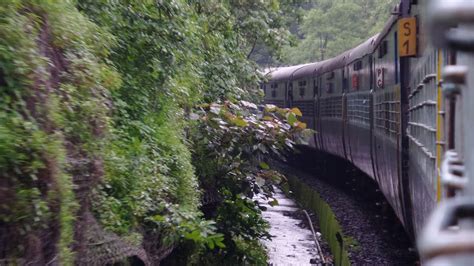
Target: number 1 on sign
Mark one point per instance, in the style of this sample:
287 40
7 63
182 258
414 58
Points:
406 46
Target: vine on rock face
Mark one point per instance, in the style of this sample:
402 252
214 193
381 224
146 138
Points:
53 112
150 194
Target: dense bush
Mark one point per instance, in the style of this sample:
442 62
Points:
54 87
96 103
148 168
172 55
233 141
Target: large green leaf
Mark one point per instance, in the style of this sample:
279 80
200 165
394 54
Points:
292 119
264 166
240 122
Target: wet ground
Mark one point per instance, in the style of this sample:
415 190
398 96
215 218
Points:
292 241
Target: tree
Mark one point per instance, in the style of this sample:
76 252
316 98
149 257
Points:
332 27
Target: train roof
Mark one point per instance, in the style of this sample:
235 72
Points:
341 60
284 73
307 70
335 62
267 72
362 50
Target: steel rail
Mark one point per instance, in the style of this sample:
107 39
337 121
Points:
320 251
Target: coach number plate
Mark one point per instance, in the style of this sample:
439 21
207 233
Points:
407 37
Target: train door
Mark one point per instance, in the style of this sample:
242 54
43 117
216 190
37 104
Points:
373 85
319 133
345 80
316 112
289 94
345 130
344 112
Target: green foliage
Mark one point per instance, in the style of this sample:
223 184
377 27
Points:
233 34
184 225
101 90
242 225
171 55
148 164
332 27
232 141
43 109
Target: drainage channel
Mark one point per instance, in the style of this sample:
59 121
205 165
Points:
294 240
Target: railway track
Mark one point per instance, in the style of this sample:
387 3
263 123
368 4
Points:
374 234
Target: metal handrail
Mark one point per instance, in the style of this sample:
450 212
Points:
442 236
449 234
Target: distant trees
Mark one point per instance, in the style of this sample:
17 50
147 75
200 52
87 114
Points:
333 26
232 32
267 26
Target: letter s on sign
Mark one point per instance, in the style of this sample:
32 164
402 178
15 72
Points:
406 27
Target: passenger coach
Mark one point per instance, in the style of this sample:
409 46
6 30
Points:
359 112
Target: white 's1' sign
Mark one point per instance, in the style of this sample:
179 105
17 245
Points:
380 78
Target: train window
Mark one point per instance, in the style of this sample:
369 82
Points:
383 49
302 91
331 75
302 83
357 65
330 88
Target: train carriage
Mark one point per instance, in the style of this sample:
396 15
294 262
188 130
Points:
386 145
305 98
380 106
332 78
277 87
358 98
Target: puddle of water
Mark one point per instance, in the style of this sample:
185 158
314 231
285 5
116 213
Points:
291 244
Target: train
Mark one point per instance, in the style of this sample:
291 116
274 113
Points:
388 106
